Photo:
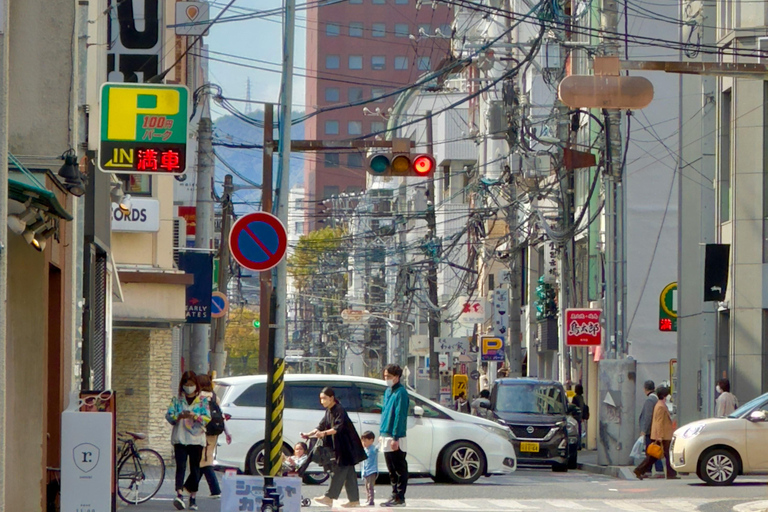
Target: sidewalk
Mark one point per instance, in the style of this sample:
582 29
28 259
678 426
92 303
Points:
753 506
588 463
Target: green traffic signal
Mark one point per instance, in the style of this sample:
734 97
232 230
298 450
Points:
379 164
256 324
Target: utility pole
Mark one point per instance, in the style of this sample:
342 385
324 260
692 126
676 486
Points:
4 79
218 355
567 247
434 313
265 277
200 339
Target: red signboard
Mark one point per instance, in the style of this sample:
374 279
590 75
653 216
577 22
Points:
583 327
189 214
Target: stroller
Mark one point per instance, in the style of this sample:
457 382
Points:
319 454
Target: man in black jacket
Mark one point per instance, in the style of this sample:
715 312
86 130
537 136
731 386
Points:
646 420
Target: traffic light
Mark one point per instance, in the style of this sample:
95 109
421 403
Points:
256 324
546 307
400 162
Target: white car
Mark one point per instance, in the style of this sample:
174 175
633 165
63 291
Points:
444 444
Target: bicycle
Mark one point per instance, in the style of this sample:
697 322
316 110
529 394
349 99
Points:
140 471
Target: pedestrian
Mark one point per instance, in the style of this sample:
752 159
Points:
213 430
646 420
481 406
189 413
661 433
394 423
347 449
726 402
579 401
371 465
462 404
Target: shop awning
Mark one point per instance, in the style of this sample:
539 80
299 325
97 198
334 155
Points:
23 186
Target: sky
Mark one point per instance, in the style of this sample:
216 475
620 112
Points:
261 39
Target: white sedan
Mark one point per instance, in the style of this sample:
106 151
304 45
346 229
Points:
442 443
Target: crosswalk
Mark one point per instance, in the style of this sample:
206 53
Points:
547 505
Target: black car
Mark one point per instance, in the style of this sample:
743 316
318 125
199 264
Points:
543 423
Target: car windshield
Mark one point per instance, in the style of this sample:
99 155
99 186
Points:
744 409
530 399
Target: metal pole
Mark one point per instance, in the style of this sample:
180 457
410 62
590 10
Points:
434 315
265 278
218 355
566 248
200 338
3 237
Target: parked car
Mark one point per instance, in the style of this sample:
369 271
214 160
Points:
541 420
720 449
444 444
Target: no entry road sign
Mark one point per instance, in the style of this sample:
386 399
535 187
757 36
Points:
258 241
219 305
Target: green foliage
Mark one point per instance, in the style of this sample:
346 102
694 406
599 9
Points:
305 261
242 342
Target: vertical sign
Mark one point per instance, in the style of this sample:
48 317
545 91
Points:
135 42
500 311
668 308
583 327
198 304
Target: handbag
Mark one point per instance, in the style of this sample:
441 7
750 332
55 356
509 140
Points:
655 450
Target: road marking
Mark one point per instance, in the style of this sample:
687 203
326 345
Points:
453 505
510 504
682 506
628 505
569 504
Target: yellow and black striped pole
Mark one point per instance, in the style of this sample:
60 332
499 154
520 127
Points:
273 423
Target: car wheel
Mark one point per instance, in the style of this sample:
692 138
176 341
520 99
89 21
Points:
560 468
315 477
718 467
462 463
573 462
256 458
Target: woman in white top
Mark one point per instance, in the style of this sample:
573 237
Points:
727 402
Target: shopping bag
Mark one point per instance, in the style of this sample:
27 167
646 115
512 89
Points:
638 450
655 450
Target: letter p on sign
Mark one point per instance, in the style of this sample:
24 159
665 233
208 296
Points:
125 106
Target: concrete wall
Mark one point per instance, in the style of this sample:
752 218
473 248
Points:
142 380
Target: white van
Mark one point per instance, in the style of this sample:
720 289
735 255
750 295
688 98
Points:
442 443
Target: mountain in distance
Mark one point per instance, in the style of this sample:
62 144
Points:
245 164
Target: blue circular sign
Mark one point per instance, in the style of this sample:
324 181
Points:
219 305
258 241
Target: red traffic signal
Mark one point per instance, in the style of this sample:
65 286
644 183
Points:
401 164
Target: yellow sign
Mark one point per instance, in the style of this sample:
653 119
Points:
460 384
491 348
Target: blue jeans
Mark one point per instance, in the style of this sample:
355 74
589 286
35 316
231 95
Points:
659 464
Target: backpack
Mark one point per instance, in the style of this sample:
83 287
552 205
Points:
216 426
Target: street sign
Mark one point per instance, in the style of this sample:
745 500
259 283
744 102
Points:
474 375
191 18
500 311
668 308
219 305
672 375
472 311
258 241
143 128
460 384
590 91
355 316
491 348
452 345
583 327
443 363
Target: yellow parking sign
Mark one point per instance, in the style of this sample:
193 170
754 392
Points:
460 384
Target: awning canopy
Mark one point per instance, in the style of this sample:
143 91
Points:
23 186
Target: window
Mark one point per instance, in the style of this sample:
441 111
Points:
332 30
354 127
331 160
353 2
378 62
378 93
306 395
253 396
137 184
331 62
725 156
331 94
355 93
355 62
377 126
423 63
331 127
355 161
381 2
330 191
356 29
379 30
371 398
401 63
446 30
429 411
300 227
401 2
401 30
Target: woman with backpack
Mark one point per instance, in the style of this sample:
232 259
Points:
189 413
213 430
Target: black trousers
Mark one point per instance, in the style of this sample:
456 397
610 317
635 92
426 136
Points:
398 472
649 461
182 452
343 476
659 465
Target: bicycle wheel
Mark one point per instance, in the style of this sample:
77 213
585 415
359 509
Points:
140 477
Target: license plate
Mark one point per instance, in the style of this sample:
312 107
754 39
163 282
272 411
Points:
529 447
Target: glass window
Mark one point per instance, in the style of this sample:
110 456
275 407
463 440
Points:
530 399
300 227
331 94
332 29
137 184
401 63
355 62
377 126
378 93
371 398
355 93
378 62
330 191
331 159
355 1
429 411
331 62
356 29
446 30
354 160
331 127
424 64
381 2
354 127
401 30
306 395
401 2
379 30
254 396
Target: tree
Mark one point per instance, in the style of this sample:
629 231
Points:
242 342
305 260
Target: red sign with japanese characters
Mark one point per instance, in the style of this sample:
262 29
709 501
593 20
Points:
583 327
